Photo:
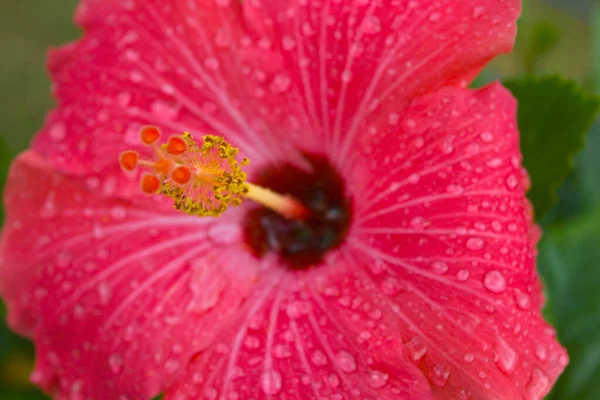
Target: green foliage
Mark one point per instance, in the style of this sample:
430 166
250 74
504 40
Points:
554 116
543 38
569 261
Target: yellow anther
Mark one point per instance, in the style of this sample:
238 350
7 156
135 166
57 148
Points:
217 180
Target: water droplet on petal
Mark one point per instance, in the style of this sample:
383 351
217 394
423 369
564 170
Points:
494 162
487 137
288 43
58 131
439 375
346 361
252 342
118 213
541 353
478 11
494 281
376 379
496 226
318 358
419 223
512 182
462 275
164 110
439 267
371 25
171 366
115 361
333 380
522 300
270 382
415 349
435 17
475 243
538 385
506 357
468 358
346 76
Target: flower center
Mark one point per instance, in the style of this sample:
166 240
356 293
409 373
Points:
303 213
301 243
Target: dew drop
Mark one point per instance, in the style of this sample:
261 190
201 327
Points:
376 379
281 83
494 281
419 223
271 382
475 243
487 137
415 349
435 17
318 358
506 357
541 353
462 275
123 99
439 267
522 300
478 11
333 381
118 213
58 131
439 375
171 366
537 386
393 118
136 76
494 162
164 110
211 63
391 286
104 292
288 43
371 25
115 361
468 358
346 361
211 393
496 226
512 182
455 189
346 76
252 342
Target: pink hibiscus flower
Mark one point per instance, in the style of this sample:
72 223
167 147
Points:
416 279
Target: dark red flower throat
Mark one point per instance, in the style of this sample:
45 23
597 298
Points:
301 244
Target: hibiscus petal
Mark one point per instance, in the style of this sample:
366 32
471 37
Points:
354 58
445 230
296 72
291 342
116 298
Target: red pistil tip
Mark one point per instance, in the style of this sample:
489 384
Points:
149 135
181 175
176 146
150 184
129 160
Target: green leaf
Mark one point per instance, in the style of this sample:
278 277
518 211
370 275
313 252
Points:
554 116
569 264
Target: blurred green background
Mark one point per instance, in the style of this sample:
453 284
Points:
555 37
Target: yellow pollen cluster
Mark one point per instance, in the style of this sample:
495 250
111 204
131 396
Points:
217 179
202 180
